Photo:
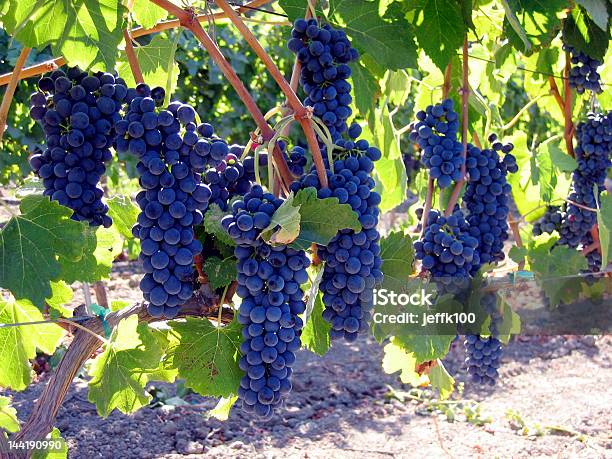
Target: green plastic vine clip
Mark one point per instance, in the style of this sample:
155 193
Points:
521 275
101 312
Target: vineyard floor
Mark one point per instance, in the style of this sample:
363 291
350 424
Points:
341 407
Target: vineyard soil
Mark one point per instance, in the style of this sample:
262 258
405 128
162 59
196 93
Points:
341 408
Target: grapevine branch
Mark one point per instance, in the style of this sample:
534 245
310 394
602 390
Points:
132 58
188 20
53 64
465 93
10 89
302 115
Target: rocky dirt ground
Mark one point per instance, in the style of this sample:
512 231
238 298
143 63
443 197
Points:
553 400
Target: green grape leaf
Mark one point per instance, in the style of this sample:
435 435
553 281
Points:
18 344
31 243
120 373
86 32
8 416
61 453
155 61
440 379
604 220
103 246
397 254
390 172
561 161
581 32
517 254
123 212
220 272
365 89
440 30
315 335
321 219
390 43
147 14
598 10
404 320
284 225
212 224
510 324
554 268
396 359
531 25
546 172
222 410
207 356
61 295
297 9
426 347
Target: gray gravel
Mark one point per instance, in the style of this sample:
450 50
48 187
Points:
339 408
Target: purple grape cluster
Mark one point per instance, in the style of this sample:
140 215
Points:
550 221
583 75
435 133
447 250
172 153
487 197
325 54
352 259
593 154
269 283
227 179
77 112
483 358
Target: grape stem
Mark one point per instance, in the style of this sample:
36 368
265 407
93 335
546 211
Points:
294 82
447 81
518 115
427 207
554 90
568 133
516 233
465 93
7 99
189 20
302 115
476 139
132 58
596 244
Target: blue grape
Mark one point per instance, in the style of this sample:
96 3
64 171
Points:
78 136
583 75
352 260
487 198
272 301
483 358
593 154
325 53
435 134
173 199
